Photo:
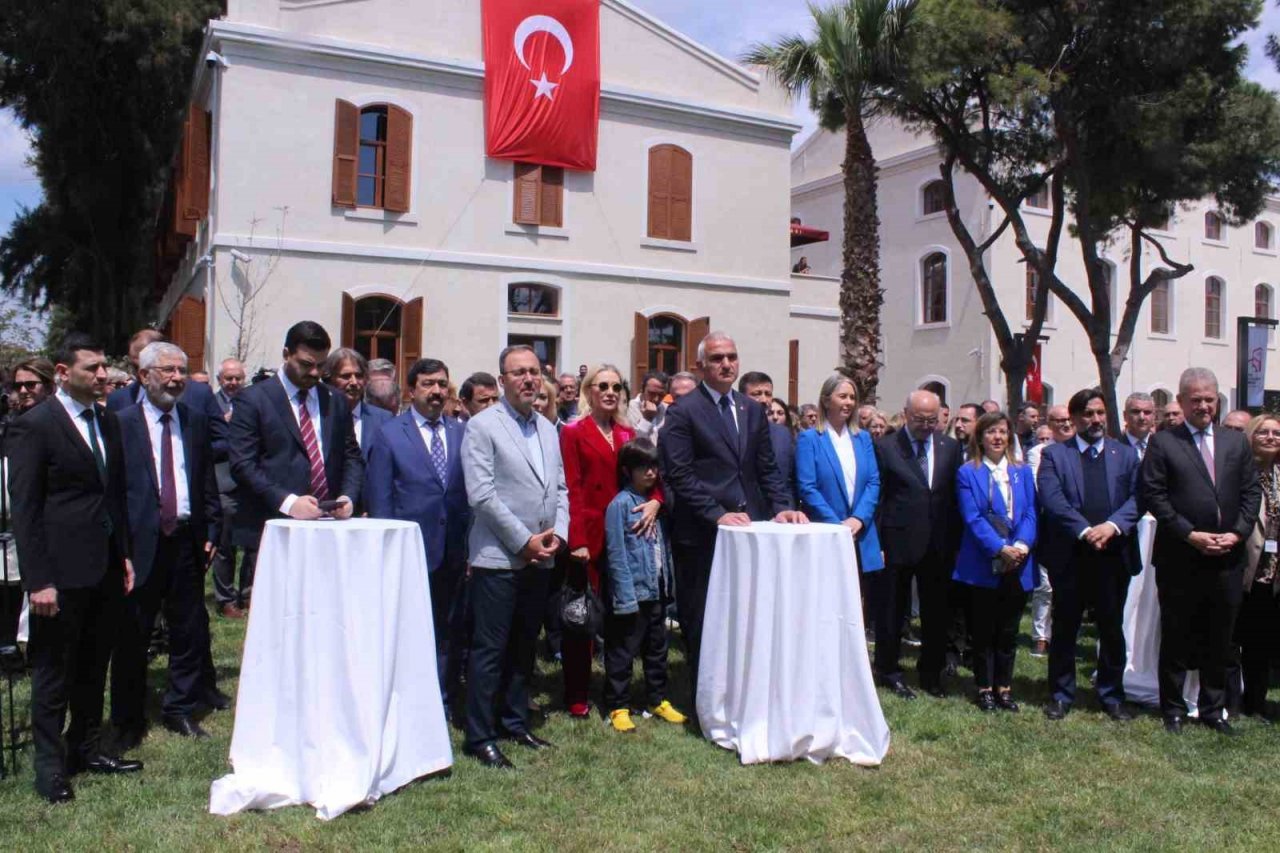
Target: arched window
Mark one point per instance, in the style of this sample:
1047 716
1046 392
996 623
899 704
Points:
666 344
1213 226
933 197
1160 306
1263 236
937 388
670 193
379 326
533 299
1161 398
933 288
1262 301
1213 288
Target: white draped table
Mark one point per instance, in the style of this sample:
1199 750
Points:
338 701
1142 631
784 672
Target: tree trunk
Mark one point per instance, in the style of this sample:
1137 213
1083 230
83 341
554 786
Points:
860 293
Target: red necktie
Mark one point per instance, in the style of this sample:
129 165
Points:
168 482
319 483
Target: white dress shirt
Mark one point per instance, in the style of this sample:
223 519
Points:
715 398
74 409
843 443
313 409
999 472
425 430
357 424
1203 437
151 413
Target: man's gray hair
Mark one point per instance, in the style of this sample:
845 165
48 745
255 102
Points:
1139 397
1196 376
333 363
684 374
711 338
156 350
382 390
907 405
381 365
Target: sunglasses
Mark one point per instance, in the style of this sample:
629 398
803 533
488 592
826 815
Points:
605 386
27 386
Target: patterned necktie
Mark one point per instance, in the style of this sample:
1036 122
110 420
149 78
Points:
726 412
1142 448
94 445
1207 455
319 483
922 459
1093 451
168 482
438 457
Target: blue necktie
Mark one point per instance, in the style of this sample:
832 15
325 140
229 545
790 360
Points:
726 412
438 457
922 459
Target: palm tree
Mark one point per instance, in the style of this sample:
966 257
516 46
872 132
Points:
857 45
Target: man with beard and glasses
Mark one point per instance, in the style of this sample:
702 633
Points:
345 371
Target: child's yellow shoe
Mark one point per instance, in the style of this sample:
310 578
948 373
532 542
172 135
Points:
621 720
668 713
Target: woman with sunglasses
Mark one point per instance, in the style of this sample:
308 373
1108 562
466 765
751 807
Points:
1258 625
589 447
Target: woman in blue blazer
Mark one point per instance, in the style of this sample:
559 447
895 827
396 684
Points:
831 458
997 500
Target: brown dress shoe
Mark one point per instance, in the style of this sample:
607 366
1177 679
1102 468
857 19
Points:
231 611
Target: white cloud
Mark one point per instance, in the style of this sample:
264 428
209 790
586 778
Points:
15 148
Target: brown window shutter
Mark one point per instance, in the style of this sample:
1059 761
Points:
694 332
527 183
346 151
181 185
186 330
410 335
681 189
348 333
196 164
793 371
399 159
551 203
639 353
660 191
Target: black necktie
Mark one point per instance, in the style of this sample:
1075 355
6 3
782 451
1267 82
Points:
726 412
94 445
922 459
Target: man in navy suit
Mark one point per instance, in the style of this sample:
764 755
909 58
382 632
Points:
292 443
415 474
346 372
1089 515
759 387
718 461
172 504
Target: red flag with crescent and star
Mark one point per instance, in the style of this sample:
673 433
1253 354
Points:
542 81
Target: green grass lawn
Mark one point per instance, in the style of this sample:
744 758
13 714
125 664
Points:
954 779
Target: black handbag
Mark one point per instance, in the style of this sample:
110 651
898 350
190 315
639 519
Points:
581 611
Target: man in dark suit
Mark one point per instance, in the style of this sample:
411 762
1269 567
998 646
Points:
919 530
292 443
174 513
415 474
66 480
718 462
1089 511
230 599
345 371
759 387
1202 486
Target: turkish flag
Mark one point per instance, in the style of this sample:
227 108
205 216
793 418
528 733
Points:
1035 379
542 81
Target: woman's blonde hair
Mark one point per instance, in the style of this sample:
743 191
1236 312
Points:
587 388
829 387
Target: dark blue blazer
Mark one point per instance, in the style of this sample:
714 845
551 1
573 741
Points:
401 482
142 492
784 453
979 541
371 420
269 461
711 473
1061 493
823 495
198 396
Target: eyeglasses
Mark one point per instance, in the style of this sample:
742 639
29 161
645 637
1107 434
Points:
524 371
616 387
27 386
171 370
922 421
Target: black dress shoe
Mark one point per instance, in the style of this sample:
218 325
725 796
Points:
185 726
935 688
986 701
1004 701
1260 717
1056 710
57 790
129 737
1118 712
1173 725
216 699
900 689
530 740
105 764
1222 727
490 756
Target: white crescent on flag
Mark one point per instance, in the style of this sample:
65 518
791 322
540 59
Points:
543 24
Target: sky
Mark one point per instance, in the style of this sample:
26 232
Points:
726 26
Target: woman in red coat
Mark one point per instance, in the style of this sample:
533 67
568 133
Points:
590 447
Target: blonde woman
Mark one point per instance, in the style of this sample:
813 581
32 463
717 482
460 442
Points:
1258 625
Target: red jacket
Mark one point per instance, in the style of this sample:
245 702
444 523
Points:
591 473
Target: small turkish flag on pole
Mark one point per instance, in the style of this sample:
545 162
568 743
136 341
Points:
1035 378
542 81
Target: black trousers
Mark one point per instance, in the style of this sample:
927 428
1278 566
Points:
693 573
225 588
506 607
552 622
1258 634
995 614
627 635
69 654
1198 605
176 587
448 596
1100 582
878 594
933 582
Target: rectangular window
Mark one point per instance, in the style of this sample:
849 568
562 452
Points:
546 348
539 195
1160 309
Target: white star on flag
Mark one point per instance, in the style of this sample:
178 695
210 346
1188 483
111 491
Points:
544 87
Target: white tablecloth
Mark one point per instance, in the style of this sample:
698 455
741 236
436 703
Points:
1142 631
338 701
784 672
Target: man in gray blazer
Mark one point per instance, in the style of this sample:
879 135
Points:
520 519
